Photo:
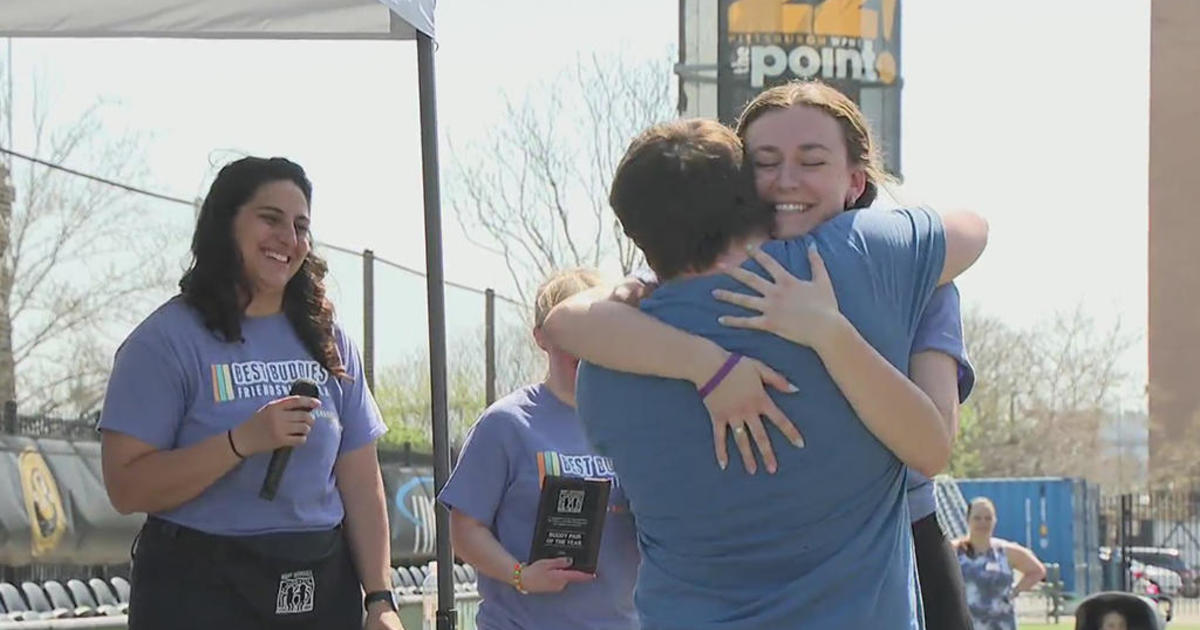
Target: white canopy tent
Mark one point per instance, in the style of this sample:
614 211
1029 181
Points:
219 19
295 19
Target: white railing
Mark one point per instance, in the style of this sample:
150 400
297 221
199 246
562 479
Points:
466 603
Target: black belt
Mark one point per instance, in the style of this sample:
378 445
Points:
301 544
180 532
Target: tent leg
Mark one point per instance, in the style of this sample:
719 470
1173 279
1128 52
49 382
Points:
446 619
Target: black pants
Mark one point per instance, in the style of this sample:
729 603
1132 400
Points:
184 579
942 592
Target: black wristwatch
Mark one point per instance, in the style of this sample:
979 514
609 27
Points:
388 596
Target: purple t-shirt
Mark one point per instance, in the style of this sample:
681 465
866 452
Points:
175 383
940 330
497 481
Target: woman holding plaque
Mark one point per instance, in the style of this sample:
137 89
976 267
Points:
495 490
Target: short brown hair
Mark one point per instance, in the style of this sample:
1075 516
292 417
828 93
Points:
861 146
682 195
560 286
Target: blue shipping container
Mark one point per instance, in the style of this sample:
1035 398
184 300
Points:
1056 517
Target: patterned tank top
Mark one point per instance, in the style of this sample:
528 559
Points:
988 579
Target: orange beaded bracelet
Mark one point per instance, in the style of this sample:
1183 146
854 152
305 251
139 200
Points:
516 579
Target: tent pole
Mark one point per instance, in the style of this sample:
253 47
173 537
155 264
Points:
446 619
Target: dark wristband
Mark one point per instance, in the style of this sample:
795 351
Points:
229 434
722 372
381 596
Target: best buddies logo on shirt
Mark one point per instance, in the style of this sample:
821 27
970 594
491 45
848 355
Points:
585 466
270 380
263 379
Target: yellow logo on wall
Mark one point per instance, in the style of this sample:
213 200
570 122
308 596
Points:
814 39
47 519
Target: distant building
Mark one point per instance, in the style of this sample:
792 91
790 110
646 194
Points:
1174 265
1126 442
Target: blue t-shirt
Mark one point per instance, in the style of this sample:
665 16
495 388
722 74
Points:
826 541
175 383
940 330
514 444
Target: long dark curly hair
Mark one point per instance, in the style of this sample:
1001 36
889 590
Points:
215 284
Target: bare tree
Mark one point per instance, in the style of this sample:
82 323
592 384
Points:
1176 465
402 389
82 260
1043 399
536 191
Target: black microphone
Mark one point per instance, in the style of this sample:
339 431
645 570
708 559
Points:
279 459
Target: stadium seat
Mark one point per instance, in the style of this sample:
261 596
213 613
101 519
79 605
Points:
40 604
105 596
407 587
461 584
60 599
121 586
83 597
7 616
418 576
18 610
395 578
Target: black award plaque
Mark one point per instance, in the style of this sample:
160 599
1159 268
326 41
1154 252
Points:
570 520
